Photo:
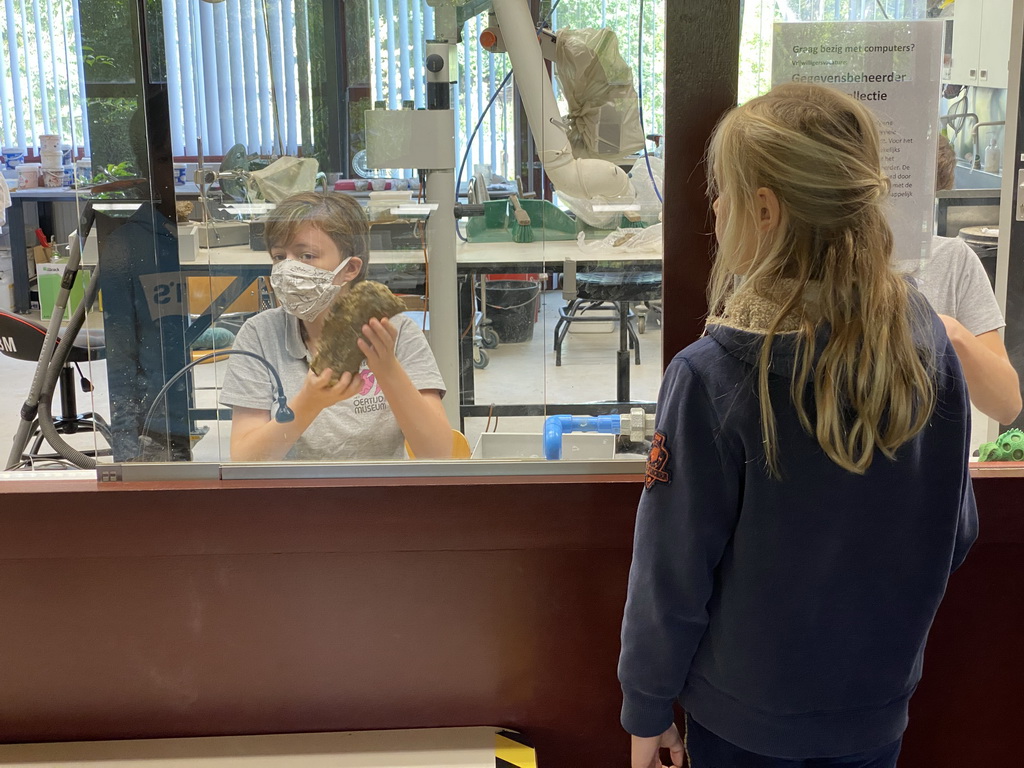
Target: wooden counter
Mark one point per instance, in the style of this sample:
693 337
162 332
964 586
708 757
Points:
150 610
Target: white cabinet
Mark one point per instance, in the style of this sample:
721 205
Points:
977 43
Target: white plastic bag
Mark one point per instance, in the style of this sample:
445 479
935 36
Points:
631 240
603 117
647 189
283 178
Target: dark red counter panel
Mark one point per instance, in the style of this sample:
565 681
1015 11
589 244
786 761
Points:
188 610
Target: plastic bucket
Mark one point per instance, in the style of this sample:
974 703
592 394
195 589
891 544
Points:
511 308
28 175
13 157
53 177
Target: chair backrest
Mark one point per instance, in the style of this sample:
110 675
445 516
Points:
20 337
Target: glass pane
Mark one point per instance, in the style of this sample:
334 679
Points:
44 136
513 216
933 76
591 278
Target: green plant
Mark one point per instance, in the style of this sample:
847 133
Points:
109 129
92 59
112 172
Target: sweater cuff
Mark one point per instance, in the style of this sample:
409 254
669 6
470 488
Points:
646 716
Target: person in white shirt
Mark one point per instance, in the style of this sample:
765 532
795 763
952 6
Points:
957 286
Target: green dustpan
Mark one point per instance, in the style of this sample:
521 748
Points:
495 226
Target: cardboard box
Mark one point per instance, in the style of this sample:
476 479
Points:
202 290
41 255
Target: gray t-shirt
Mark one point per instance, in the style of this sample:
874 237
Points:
361 427
956 284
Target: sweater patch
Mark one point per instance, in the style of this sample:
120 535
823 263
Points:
657 462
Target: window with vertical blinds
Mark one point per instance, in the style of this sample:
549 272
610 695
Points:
239 72
42 78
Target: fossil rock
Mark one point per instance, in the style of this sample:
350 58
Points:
183 209
362 302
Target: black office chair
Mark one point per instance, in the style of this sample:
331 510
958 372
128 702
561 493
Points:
620 290
22 339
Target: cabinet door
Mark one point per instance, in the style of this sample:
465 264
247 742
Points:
967 22
994 56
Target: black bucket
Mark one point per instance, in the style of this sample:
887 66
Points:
512 307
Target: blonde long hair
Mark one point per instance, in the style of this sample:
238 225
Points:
829 263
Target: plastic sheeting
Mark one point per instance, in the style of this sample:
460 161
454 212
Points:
641 240
284 177
603 119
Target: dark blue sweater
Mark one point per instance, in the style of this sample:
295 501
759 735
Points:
787 616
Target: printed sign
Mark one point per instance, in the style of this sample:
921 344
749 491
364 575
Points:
893 68
164 292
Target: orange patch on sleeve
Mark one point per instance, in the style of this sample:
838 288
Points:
657 462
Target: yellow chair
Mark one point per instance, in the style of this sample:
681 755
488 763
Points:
460 446
197 354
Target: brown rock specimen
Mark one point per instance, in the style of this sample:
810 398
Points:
362 302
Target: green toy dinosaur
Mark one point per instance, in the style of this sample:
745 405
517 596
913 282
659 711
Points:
1009 446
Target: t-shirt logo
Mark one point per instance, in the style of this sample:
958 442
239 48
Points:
370 398
369 383
657 462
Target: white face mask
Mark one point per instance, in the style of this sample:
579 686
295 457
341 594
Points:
304 290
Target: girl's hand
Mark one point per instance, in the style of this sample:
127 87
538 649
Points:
378 344
645 751
318 393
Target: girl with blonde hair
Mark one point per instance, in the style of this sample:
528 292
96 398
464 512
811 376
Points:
807 493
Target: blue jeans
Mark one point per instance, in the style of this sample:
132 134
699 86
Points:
706 750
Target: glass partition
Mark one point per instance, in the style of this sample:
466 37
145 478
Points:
268 176
936 76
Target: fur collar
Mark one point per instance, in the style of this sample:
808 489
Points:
754 311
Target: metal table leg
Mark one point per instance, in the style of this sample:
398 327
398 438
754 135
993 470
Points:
19 255
622 361
467 314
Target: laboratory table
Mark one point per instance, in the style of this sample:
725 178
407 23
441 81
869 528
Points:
20 253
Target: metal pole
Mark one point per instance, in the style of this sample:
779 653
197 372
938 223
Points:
440 228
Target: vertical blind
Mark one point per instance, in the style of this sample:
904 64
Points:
42 77
234 74
399 29
239 72
851 10
235 77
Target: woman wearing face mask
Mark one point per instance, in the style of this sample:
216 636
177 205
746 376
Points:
319 244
